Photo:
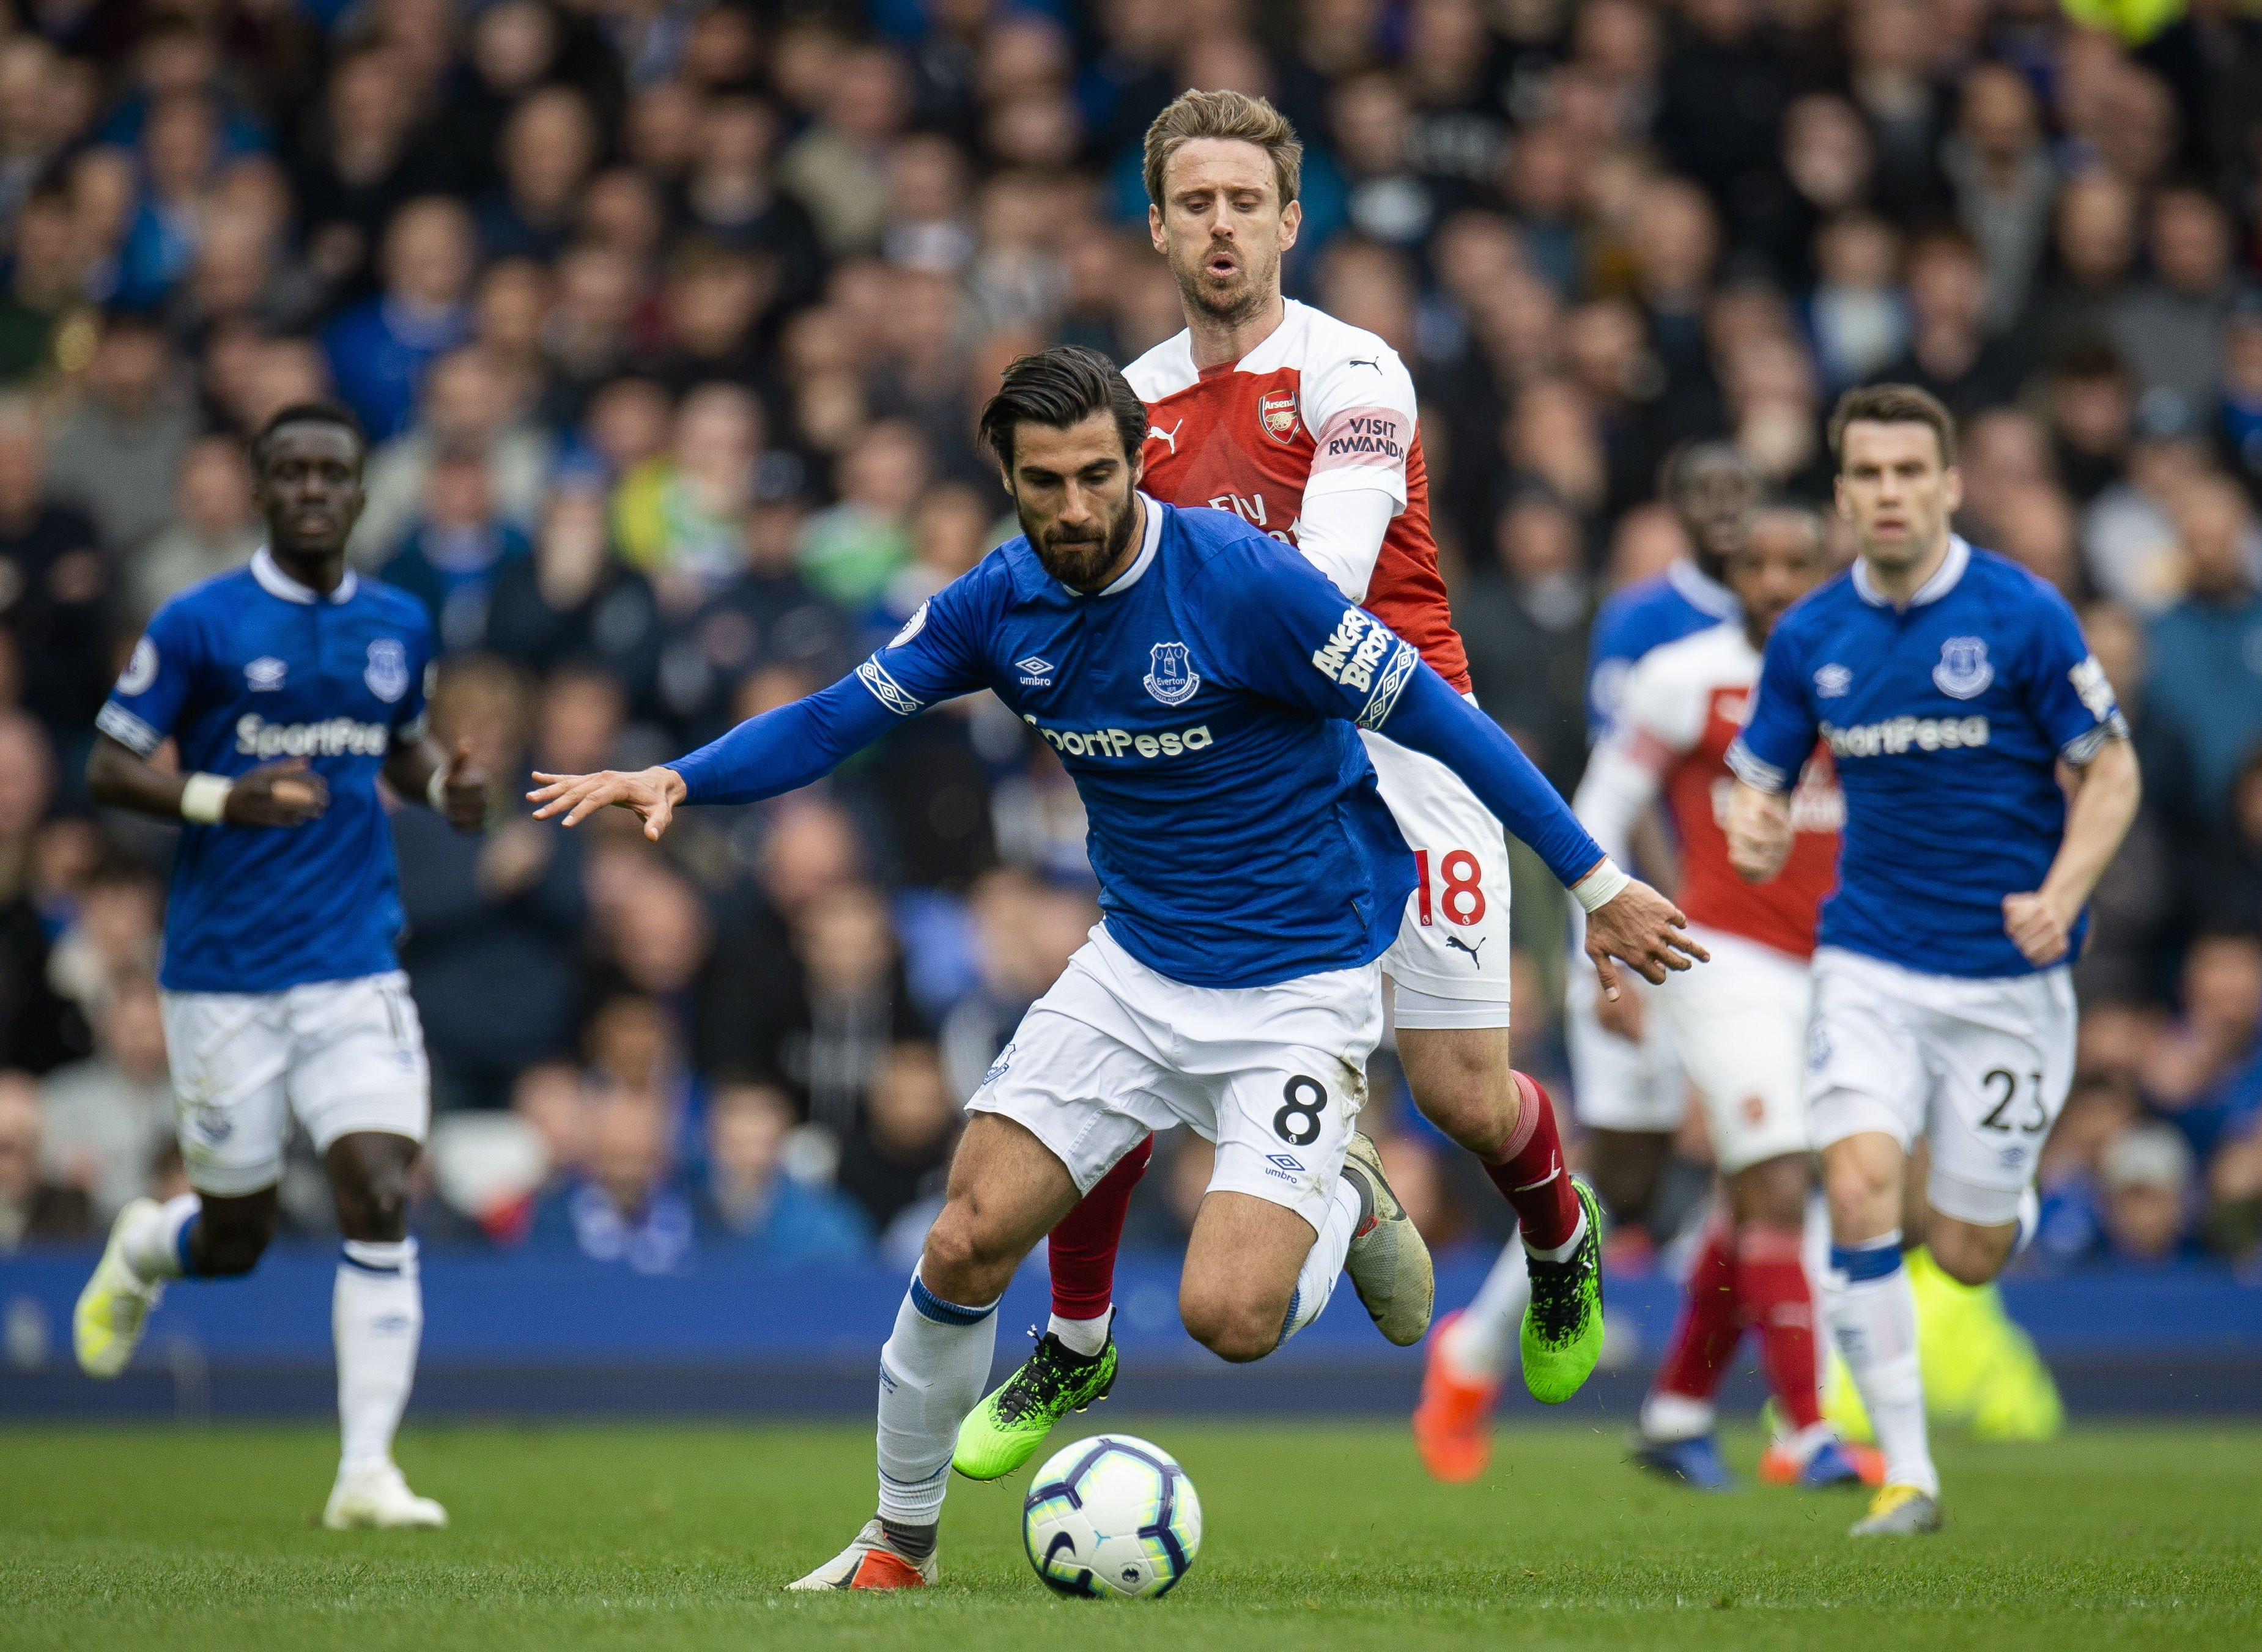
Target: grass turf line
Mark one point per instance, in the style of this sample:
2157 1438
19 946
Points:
1321 1536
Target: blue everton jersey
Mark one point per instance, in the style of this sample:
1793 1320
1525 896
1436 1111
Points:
245 669
1946 719
1678 602
1201 703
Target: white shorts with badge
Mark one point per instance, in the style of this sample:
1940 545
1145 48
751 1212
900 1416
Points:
1274 1075
1450 964
1979 1068
1626 1084
342 1055
1739 1031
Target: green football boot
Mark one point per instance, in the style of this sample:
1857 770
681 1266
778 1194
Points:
1562 1335
1005 1429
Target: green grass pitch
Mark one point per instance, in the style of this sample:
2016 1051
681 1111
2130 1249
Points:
1320 1536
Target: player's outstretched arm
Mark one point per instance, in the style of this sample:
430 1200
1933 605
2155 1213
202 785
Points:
649 794
282 793
2041 924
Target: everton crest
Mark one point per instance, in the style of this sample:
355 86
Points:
387 671
1171 675
1276 411
1963 671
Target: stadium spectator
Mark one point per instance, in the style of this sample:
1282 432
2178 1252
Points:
380 350
627 1205
31 1207
55 585
2147 1176
752 1207
109 1118
210 530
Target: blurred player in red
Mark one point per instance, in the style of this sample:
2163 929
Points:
1304 426
1739 1028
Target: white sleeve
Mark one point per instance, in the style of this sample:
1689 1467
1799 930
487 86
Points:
1659 719
1342 535
1617 786
1362 416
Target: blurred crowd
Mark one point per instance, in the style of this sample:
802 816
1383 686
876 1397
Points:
667 320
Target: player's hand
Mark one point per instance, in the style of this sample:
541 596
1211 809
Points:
463 793
1622 1016
652 794
1644 930
2039 931
1758 833
284 793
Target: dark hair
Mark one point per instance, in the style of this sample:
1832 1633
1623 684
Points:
1681 464
309 413
1056 388
1892 405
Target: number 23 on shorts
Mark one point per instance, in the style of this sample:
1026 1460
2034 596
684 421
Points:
1461 897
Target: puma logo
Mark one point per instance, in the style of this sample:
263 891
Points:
1360 361
1156 433
1474 961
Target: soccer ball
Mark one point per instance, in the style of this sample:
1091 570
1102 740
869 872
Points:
1112 1517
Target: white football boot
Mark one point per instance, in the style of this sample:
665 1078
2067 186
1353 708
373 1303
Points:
872 1561
375 1494
107 1324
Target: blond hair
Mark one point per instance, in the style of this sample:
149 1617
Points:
1224 114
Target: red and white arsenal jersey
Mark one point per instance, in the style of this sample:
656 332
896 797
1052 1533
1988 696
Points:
1318 407
1683 706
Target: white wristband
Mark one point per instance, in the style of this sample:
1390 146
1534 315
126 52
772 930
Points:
1599 887
436 790
204 798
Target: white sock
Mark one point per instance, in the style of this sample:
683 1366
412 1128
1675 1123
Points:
1477 1346
1567 1249
1086 1336
1674 1416
1324 1263
376 1317
1872 1314
931 1375
152 1246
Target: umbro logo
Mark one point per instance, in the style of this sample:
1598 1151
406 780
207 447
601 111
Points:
1832 681
265 674
1284 1160
1036 672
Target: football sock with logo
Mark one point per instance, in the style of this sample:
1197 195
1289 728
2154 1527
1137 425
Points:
1872 1314
159 1246
1530 1174
931 1370
1476 1345
1324 1263
1778 1298
1081 1250
376 1319
1704 1339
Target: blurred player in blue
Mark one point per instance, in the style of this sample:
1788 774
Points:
288 687
1954 690
1205 685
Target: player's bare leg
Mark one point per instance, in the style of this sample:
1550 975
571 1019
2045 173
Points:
1462 1083
376 1312
1872 1316
1006 1191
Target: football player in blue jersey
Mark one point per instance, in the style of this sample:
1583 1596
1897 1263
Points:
1954 690
287 687
1204 685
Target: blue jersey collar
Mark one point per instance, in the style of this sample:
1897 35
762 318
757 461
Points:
276 583
1701 591
1951 569
1030 579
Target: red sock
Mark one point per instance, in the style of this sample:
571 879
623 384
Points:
1530 1174
1083 1247
1711 1324
1771 1281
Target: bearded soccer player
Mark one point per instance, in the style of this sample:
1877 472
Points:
1205 688
1952 688
288 687
1740 1034
1305 428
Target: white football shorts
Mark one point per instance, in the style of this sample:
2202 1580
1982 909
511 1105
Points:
1450 963
1275 1075
1739 1031
342 1055
1980 1068
1620 1083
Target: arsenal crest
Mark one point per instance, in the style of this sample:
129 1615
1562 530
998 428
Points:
1276 411
1171 675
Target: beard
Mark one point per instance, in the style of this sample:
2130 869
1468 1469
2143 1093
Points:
1230 305
1083 562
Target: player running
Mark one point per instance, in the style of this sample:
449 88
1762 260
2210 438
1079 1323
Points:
288 686
1201 684
1305 428
1739 1028
1950 686
1629 1091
